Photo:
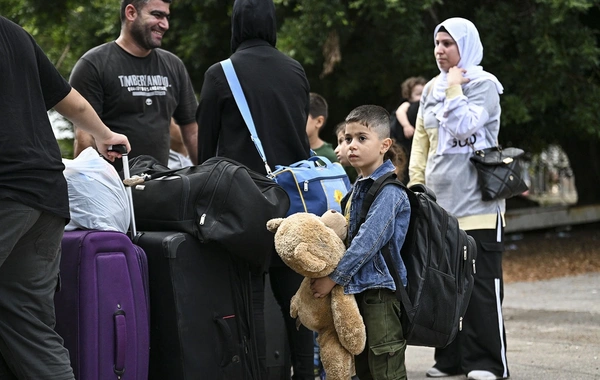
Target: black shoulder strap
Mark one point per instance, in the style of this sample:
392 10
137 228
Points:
401 293
374 190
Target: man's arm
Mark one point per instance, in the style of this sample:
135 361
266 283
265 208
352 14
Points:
75 108
189 132
82 141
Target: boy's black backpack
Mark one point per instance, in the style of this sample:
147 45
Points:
440 263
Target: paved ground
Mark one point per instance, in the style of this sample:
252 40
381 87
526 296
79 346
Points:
553 331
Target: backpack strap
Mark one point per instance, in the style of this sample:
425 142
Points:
374 191
401 293
389 178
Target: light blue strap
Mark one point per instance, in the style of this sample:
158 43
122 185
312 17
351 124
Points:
240 99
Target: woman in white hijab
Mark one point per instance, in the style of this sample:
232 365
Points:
459 113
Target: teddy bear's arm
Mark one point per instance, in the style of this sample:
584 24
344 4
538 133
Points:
294 306
347 321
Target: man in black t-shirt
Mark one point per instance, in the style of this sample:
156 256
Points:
34 204
136 87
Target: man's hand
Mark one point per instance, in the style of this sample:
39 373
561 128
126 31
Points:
112 138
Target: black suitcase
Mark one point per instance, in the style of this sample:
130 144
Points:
200 300
279 362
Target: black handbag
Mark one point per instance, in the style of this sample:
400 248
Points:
499 172
218 201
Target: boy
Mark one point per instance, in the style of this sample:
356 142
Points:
363 270
317 117
341 151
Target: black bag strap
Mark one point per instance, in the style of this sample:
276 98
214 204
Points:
401 293
378 184
374 191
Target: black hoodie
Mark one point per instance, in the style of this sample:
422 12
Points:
275 87
253 19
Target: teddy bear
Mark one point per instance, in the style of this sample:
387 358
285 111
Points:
312 246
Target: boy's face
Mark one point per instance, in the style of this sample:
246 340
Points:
313 125
365 148
341 150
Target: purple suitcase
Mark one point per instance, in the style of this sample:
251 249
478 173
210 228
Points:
102 305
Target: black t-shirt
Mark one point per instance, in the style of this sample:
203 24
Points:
31 168
137 96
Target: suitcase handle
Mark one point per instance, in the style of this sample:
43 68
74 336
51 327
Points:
229 355
120 148
120 342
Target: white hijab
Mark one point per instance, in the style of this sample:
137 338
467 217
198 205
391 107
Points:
470 49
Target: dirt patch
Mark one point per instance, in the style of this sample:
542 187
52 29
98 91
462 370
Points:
541 255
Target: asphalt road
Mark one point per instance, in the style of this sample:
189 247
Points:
552 327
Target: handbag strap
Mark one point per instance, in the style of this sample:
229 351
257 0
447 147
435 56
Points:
240 100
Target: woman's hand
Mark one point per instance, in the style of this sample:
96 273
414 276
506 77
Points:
456 76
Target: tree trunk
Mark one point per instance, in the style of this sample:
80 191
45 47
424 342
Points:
584 156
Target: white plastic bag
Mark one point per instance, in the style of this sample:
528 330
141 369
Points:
97 196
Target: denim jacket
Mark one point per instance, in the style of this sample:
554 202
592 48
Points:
363 267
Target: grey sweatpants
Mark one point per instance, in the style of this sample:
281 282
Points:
29 264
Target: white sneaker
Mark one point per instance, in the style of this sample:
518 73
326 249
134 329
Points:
434 372
482 375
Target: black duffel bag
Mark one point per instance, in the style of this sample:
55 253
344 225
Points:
219 201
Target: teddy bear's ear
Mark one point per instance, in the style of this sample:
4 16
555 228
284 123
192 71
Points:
273 224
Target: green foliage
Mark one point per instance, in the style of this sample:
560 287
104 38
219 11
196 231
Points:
545 52
65 29
66 148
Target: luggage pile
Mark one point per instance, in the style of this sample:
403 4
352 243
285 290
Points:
161 304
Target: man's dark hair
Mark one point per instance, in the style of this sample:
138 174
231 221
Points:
318 106
138 4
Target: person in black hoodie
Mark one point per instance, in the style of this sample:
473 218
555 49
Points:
277 92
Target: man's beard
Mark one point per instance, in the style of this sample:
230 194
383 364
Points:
142 36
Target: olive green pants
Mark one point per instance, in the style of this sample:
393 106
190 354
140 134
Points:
383 357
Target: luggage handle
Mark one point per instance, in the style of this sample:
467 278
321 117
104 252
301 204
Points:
121 148
120 342
229 347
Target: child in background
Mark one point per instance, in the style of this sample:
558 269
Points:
317 117
406 117
341 151
397 156
412 88
362 270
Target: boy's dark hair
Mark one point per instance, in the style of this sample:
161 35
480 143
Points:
408 85
340 127
138 4
318 106
373 117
